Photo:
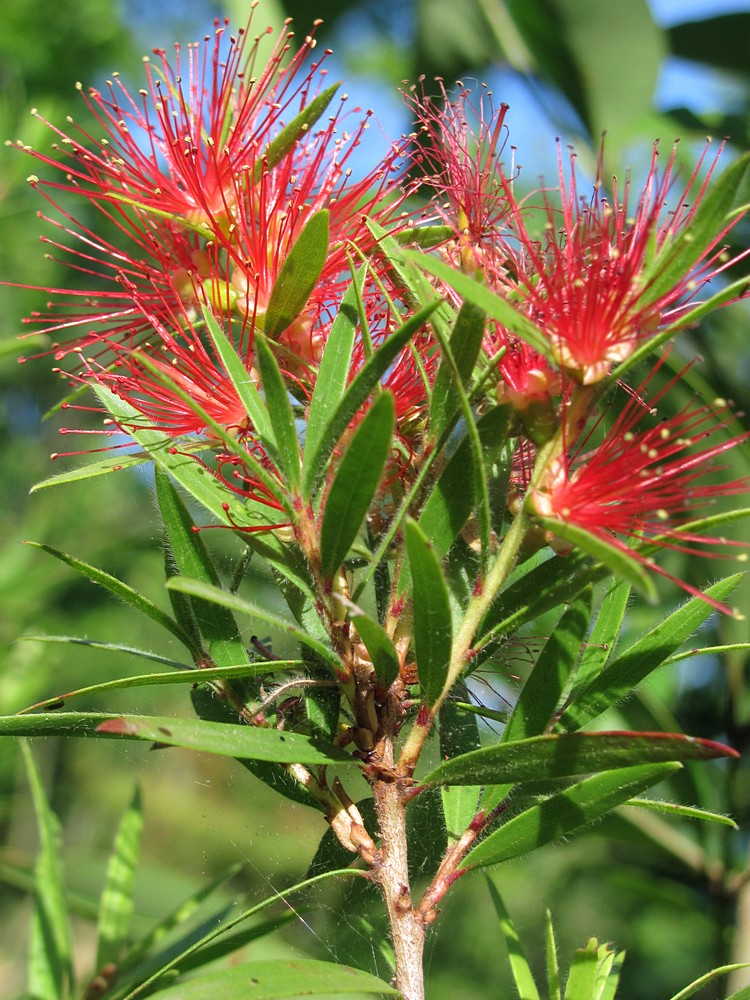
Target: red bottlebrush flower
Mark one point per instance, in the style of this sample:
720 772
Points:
182 174
587 284
460 149
642 483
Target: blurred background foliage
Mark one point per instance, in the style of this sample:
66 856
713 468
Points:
675 896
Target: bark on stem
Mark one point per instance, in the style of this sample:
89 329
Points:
392 873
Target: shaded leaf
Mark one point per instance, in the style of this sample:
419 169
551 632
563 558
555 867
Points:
380 647
465 343
217 625
459 734
333 371
359 389
355 483
433 629
542 692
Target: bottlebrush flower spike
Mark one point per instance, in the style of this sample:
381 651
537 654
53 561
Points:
460 150
642 483
183 173
589 283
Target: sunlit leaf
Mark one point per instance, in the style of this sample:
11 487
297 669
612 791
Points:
519 966
274 979
566 812
298 275
116 904
539 758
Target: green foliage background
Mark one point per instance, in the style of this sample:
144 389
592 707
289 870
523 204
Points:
669 894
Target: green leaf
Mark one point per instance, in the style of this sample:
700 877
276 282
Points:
217 625
465 344
459 734
451 501
274 979
627 670
676 258
333 371
224 598
355 483
50 963
116 904
680 811
162 448
540 758
92 469
433 627
176 961
298 275
193 734
519 965
481 297
553 965
604 636
186 675
280 413
566 812
582 977
357 392
617 559
123 591
291 134
542 692
380 647
241 379
709 977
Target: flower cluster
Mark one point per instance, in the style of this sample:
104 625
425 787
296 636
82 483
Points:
220 169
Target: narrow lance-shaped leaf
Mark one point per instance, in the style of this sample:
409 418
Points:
50 970
355 483
360 388
459 734
333 371
241 379
493 305
380 647
280 412
519 965
675 259
465 343
223 739
566 812
121 590
289 136
582 978
216 623
626 671
433 629
544 688
604 635
565 755
116 905
222 597
276 979
620 561
298 275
